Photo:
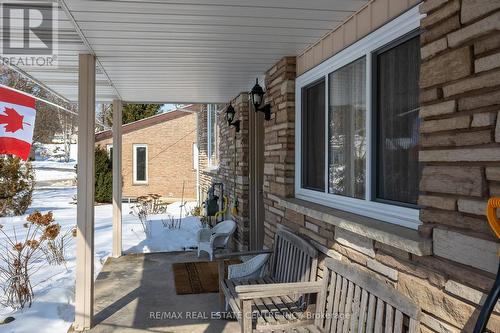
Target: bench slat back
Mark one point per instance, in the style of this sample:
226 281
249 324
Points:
355 301
294 259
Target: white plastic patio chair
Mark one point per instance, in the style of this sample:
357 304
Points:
252 268
215 238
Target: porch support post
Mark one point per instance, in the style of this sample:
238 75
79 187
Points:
117 178
84 288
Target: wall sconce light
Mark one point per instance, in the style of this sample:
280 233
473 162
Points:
257 96
230 113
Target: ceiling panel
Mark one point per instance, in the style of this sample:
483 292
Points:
63 79
189 51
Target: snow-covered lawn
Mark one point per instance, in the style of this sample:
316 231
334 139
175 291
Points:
54 164
52 310
162 238
51 169
43 174
48 156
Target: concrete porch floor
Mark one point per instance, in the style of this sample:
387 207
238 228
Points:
130 290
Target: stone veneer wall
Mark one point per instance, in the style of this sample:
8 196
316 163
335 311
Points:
225 172
460 154
460 95
279 145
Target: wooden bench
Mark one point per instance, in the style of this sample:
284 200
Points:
349 300
293 261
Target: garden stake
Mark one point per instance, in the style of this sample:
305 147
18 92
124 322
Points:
183 204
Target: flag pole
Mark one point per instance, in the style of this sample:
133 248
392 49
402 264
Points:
39 99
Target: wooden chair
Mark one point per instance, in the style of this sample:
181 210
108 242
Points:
351 300
264 305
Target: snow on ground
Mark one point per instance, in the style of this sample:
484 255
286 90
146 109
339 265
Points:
54 164
162 238
53 310
51 156
47 160
44 175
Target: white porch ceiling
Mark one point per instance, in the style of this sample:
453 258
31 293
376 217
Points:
185 50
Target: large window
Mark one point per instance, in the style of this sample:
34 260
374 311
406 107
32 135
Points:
357 126
140 163
213 135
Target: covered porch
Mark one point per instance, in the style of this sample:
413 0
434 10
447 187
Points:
136 293
334 73
129 52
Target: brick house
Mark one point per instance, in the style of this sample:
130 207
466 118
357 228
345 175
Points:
158 154
396 182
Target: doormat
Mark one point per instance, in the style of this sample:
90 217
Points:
198 277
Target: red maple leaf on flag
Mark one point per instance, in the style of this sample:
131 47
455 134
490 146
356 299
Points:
13 121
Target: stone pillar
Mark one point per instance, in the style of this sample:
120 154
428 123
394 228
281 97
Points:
237 184
279 143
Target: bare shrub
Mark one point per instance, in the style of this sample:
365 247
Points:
171 222
55 249
142 210
155 205
196 211
17 180
148 205
19 253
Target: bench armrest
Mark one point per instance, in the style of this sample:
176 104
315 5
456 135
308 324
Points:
278 289
239 254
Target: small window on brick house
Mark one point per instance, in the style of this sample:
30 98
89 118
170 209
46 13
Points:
358 131
212 135
109 149
195 153
140 163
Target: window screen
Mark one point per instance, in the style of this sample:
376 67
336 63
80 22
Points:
313 136
347 130
397 102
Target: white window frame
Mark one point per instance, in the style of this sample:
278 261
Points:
404 216
135 180
212 108
109 146
195 153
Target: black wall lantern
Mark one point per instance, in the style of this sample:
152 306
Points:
230 113
257 96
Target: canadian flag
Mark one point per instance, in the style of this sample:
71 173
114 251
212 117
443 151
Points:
17 121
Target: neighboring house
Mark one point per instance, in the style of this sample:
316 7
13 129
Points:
158 154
